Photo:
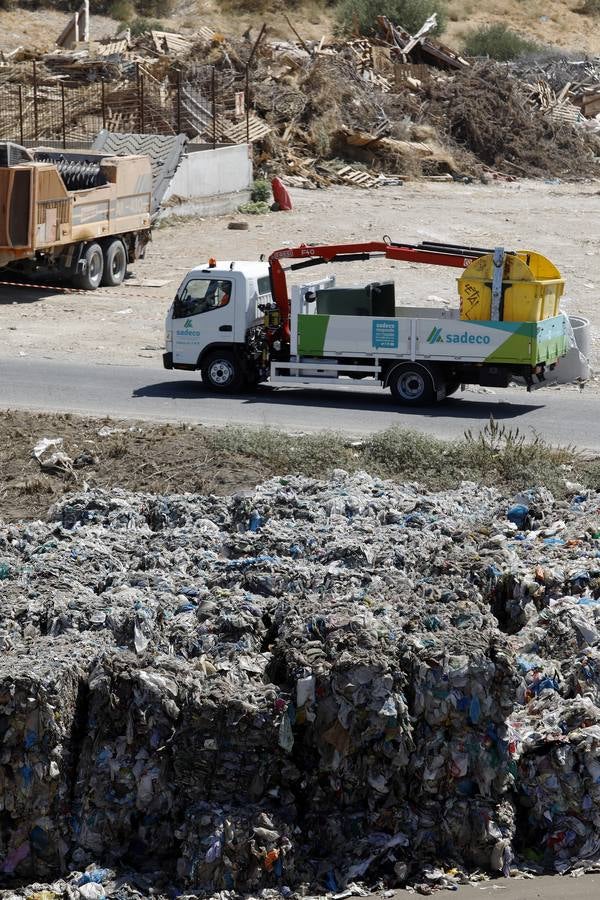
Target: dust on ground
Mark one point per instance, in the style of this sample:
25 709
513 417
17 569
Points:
545 887
124 325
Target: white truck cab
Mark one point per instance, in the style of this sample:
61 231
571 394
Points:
210 320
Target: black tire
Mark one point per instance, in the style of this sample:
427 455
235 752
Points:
412 384
222 373
115 264
94 269
452 387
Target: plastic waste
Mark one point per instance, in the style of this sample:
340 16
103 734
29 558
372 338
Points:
368 677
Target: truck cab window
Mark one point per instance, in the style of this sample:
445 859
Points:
201 295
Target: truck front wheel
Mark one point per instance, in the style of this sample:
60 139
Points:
221 372
91 277
412 384
115 263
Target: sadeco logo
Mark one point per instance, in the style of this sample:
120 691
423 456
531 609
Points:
436 337
188 330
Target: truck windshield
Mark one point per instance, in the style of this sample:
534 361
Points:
200 295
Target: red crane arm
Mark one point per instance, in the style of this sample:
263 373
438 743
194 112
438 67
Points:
433 254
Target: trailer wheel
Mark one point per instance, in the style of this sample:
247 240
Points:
221 372
94 268
412 384
452 387
115 264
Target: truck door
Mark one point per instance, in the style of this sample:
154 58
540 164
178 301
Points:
203 313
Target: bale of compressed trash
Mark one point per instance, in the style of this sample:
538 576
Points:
231 848
126 798
315 682
559 782
41 684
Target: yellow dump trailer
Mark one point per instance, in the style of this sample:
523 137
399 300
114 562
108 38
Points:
530 292
82 214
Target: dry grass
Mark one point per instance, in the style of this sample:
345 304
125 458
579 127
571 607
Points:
171 459
484 111
558 22
39 29
550 22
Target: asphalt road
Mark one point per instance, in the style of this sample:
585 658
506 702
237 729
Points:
563 417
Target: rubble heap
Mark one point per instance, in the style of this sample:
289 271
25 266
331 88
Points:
361 112
316 683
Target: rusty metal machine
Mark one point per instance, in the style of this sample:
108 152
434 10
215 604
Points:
81 214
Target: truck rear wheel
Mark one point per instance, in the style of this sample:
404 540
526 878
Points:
91 278
115 263
412 384
221 372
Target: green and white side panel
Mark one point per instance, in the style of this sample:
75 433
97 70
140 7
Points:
352 335
433 339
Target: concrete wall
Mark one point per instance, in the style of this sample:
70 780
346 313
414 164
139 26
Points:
215 181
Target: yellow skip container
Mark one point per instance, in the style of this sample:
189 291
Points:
531 288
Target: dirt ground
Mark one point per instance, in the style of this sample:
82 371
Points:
34 28
550 22
84 452
546 887
125 325
104 453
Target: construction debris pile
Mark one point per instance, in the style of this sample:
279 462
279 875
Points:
402 105
568 90
325 686
361 112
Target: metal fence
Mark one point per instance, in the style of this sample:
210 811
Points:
200 101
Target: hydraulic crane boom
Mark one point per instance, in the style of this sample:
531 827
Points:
452 255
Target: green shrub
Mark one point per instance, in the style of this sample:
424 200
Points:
498 42
361 15
261 190
122 10
96 6
143 26
155 7
254 208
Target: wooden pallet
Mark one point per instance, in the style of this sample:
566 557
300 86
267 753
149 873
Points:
239 134
357 177
171 42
